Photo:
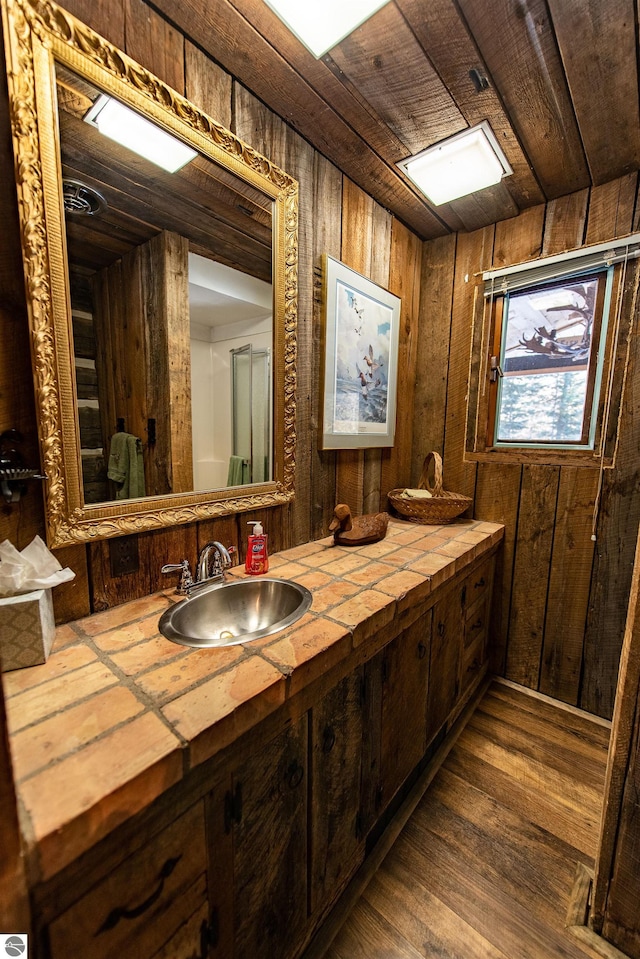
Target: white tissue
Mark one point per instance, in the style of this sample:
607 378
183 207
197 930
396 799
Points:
34 567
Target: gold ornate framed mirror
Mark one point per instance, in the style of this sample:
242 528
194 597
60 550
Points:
137 284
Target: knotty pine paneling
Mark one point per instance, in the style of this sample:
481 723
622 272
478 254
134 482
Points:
561 599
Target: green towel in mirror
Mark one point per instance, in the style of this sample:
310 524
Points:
238 471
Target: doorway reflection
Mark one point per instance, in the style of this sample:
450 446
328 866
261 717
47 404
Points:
231 341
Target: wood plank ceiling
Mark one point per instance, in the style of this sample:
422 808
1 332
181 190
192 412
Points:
561 93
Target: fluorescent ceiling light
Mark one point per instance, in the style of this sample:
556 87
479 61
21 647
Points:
129 129
466 162
321 24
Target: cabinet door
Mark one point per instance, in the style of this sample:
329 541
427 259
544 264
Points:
220 809
270 848
336 753
405 681
370 777
157 895
446 643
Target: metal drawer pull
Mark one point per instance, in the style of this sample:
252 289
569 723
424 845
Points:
295 775
328 739
479 583
121 912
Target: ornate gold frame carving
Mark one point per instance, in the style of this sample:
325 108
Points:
37 33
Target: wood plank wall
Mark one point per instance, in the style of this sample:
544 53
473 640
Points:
561 600
336 217
561 603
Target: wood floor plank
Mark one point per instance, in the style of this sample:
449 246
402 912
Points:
536 775
587 769
431 927
368 936
510 829
534 879
485 866
572 741
566 718
579 832
490 909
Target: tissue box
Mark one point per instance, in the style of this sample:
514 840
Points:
27 628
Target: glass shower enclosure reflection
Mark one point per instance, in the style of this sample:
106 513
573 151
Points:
250 410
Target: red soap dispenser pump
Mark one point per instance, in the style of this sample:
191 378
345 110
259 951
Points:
257 560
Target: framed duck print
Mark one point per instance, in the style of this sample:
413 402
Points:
359 379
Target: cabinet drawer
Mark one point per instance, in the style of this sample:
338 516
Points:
476 620
473 660
139 907
478 584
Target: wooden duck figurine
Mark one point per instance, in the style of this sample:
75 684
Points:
358 530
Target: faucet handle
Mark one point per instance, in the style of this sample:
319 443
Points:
186 580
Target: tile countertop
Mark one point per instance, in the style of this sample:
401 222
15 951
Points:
118 714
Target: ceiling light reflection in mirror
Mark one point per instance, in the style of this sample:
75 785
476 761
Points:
129 129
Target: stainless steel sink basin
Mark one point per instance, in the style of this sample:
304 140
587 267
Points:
225 614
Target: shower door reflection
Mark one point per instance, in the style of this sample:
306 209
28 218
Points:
250 411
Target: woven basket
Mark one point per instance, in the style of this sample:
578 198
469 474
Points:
442 507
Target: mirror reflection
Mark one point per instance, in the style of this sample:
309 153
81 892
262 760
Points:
172 308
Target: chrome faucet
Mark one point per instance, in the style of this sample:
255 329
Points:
208 570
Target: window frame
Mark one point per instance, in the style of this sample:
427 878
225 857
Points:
619 259
500 321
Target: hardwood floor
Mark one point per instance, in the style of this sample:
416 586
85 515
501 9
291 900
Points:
485 865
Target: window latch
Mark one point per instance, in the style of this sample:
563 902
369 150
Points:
495 370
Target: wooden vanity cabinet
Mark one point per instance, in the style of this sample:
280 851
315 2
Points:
257 843
368 733
335 828
373 729
458 642
446 646
152 905
403 722
256 858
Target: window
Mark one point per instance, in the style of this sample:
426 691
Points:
548 362
548 356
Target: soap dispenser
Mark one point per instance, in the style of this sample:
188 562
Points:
257 560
